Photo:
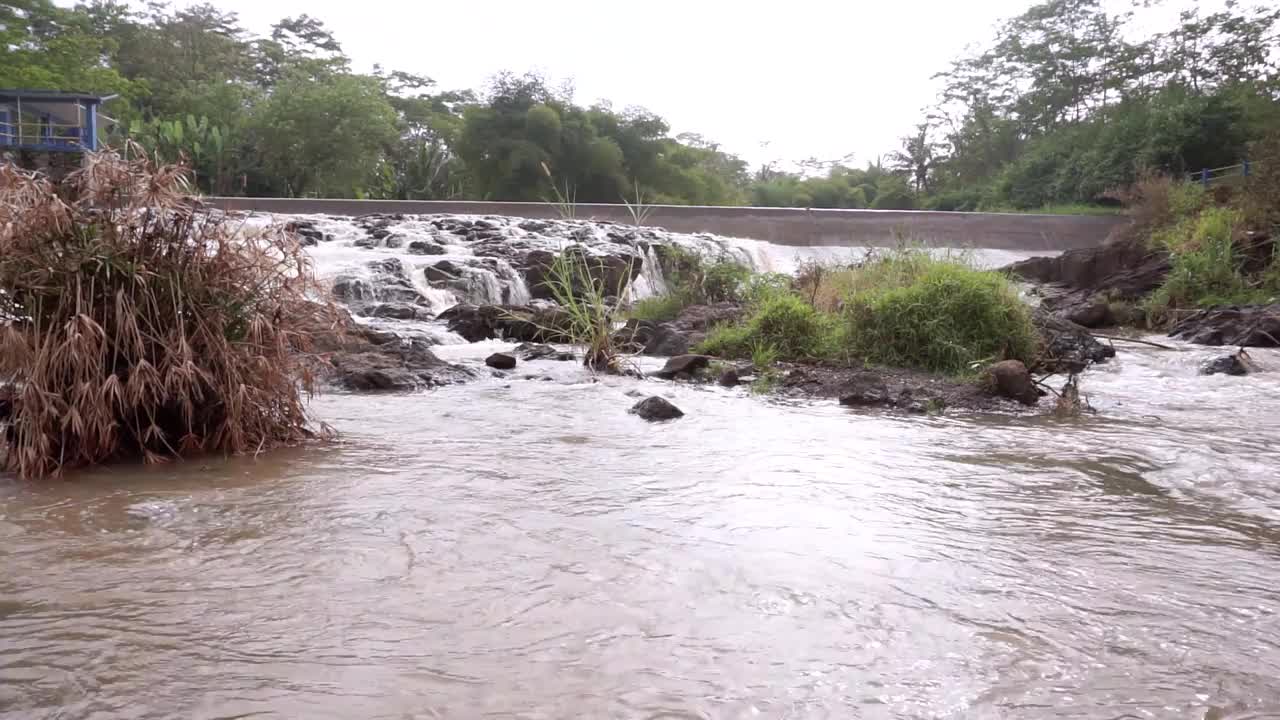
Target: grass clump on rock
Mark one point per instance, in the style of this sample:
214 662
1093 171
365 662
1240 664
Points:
902 308
937 314
136 327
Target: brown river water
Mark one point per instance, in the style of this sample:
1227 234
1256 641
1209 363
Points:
524 548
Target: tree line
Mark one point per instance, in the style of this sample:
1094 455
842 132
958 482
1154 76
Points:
1068 102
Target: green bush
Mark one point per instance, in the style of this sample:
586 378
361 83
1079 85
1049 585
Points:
659 308
936 314
1205 266
782 324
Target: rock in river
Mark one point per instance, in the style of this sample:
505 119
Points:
1011 379
682 366
1237 363
655 409
501 361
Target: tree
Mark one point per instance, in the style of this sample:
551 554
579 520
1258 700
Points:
327 136
917 157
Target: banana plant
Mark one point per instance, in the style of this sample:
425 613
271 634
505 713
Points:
196 142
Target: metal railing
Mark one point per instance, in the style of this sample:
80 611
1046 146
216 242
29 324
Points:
42 134
1230 173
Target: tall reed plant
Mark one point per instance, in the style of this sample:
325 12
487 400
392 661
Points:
140 327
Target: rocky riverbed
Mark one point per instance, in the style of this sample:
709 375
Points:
414 283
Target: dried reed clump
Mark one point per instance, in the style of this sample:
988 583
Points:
134 326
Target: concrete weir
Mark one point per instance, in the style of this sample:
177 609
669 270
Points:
785 226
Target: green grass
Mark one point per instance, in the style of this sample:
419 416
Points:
943 315
1060 209
659 308
781 325
695 281
904 308
1206 267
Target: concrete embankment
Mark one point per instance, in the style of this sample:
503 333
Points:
786 226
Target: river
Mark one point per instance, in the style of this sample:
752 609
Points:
521 547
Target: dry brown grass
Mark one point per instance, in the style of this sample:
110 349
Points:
140 327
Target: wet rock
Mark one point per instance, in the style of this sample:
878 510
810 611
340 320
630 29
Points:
1065 346
1011 379
508 322
351 290
696 320
682 366
501 361
1241 326
421 247
729 378
1237 363
1082 285
634 394
1091 313
1127 268
365 359
388 282
651 338
656 409
866 390
308 234
537 351
612 271
397 311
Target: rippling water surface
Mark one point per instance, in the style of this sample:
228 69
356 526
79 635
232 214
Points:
524 548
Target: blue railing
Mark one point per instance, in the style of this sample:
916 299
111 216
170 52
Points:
1211 176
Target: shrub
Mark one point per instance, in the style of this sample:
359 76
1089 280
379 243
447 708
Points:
782 323
659 308
140 328
912 310
1205 266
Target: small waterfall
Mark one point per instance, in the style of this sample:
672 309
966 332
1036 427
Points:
651 281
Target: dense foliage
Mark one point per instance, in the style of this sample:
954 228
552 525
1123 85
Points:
132 326
1068 102
900 308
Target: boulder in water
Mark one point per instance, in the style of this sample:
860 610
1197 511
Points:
1237 363
501 361
656 409
421 247
651 338
1065 346
866 390
537 351
1011 379
683 366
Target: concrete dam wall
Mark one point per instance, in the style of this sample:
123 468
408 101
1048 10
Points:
785 226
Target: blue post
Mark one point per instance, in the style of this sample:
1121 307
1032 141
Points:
46 129
5 129
1245 172
1204 177
91 130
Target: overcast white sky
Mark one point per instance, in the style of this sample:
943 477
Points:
810 77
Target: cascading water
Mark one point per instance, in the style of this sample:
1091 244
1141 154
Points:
486 260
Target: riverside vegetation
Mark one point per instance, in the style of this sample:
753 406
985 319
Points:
134 327
1069 101
1199 263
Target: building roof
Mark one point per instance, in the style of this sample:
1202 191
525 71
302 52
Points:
52 96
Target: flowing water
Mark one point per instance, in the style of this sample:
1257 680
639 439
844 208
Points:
521 547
